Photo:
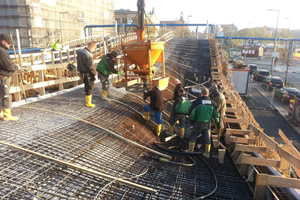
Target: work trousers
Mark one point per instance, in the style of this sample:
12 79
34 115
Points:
104 81
178 117
4 92
157 114
201 128
89 83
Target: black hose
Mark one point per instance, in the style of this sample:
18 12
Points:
178 152
215 181
173 162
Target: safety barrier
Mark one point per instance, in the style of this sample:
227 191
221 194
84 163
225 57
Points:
49 69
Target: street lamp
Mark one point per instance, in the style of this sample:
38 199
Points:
61 36
274 50
287 59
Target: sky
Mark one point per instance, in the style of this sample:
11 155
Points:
243 14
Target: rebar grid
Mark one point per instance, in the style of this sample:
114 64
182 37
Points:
88 146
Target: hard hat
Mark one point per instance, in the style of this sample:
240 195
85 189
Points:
113 54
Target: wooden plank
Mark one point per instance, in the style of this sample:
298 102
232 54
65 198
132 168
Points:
293 150
237 132
241 140
280 151
17 94
260 186
231 101
250 148
283 182
288 142
44 84
221 155
232 120
260 161
61 85
234 110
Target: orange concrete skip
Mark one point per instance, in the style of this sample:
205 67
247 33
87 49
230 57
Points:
137 53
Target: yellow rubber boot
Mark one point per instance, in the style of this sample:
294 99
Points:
147 115
182 132
207 151
191 147
158 129
7 115
171 129
104 95
88 101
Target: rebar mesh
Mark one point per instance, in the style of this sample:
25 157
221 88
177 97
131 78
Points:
63 128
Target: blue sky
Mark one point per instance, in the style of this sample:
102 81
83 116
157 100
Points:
243 14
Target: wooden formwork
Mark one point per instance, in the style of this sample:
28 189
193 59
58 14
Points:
246 141
49 69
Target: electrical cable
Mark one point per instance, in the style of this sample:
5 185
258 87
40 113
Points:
178 152
174 162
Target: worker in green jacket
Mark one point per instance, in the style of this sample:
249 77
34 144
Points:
180 110
104 68
203 110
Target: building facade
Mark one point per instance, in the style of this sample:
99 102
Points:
123 16
41 22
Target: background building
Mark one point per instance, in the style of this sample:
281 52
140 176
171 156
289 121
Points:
41 22
124 17
127 16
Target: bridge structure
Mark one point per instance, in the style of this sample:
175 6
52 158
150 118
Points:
60 149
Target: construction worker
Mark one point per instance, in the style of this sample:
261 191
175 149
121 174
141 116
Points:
215 82
56 46
156 106
7 69
85 65
104 68
202 112
220 100
179 86
180 110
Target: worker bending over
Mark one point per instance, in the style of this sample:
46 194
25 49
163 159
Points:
156 106
217 84
179 86
85 65
202 112
104 68
220 100
181 108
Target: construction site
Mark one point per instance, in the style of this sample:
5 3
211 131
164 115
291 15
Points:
61 149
